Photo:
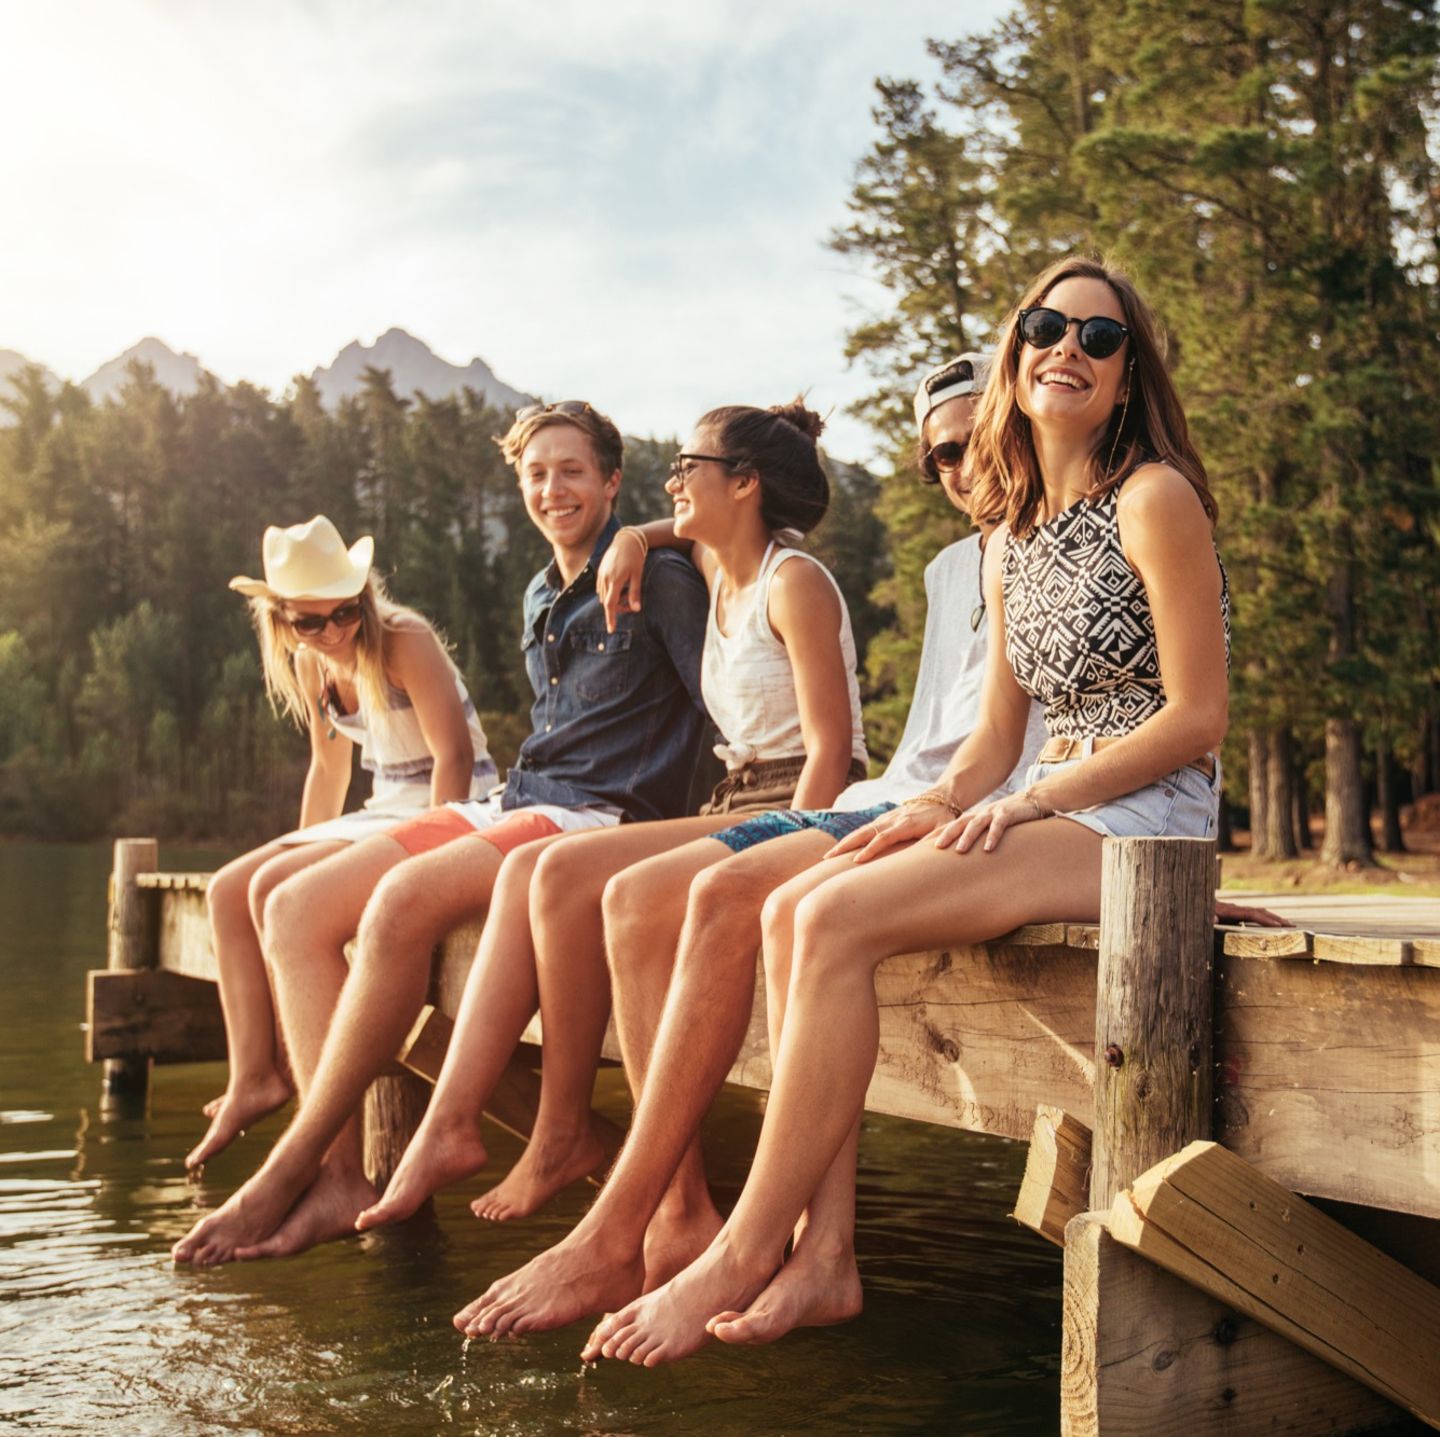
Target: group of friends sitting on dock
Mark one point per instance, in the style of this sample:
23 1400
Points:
1072 686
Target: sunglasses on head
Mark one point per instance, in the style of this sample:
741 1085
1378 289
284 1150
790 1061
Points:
311 626
1099 335
563 406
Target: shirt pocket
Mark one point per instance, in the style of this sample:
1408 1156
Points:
599 663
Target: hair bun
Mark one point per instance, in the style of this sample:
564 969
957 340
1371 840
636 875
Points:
802 418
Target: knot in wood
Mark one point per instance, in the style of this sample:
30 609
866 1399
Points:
1225 1331
1115 1056
1163 1359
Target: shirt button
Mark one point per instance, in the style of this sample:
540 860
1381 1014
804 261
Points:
601 647
549 638
553 679
548 727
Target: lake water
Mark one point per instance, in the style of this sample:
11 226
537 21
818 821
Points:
961 1332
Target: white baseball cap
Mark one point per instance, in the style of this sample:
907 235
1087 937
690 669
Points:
963 375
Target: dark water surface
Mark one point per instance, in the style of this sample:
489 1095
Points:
99 1332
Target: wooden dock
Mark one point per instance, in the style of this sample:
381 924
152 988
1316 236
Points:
1312 1054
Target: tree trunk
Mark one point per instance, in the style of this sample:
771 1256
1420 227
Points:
1347 825
1388 794
1300 782
1259 792
1279 775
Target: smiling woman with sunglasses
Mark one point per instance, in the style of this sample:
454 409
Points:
351 667
1107 602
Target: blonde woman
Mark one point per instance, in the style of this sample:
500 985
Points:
352 668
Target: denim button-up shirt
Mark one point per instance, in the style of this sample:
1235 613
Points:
617 718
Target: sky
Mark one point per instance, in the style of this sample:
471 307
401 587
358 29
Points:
620 200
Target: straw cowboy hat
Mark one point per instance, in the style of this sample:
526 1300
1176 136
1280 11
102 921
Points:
310 561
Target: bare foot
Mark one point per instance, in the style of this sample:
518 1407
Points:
234 1111
673 1242
576 1278
248 1217
809 1291
670 1323
547 1165
439 1154
327 1211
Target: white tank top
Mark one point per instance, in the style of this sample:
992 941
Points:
395 753
748 682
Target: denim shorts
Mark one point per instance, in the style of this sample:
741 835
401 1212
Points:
1183 804
765 826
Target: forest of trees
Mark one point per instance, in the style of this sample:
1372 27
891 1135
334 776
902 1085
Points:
130 691
1265 170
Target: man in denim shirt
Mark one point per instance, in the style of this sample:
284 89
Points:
616 726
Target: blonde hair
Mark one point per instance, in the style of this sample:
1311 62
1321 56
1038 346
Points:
380 616
1149 426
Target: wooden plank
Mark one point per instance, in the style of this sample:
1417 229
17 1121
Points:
1358 948
174 882
1056 1185
1264 942
1154 1006
1143 1353
1212 1219
185 943
1328 1078
151 1014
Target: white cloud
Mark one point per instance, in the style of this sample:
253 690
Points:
627 201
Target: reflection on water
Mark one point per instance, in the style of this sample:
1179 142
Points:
960 1332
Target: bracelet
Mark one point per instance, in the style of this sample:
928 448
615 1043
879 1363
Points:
1041 811
639 533
938 799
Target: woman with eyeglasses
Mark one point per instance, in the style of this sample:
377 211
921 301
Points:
352 668
778 678
1106 601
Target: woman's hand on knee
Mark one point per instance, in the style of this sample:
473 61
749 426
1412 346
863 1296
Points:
987 824
897 829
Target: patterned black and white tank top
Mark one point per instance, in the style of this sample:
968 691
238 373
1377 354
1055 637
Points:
1078 629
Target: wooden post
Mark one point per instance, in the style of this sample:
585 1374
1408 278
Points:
134 940
394 1105
1154 1063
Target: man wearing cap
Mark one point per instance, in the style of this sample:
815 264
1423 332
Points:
616 726
654 1214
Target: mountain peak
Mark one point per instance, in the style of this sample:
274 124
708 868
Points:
414 368
179 373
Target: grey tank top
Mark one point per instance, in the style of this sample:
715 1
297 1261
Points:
1078 629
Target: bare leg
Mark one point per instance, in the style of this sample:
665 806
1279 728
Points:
705 1015
566 920
256 1085
309 919
922 898
499 998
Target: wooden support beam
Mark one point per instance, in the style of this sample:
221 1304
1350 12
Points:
516 1099
394 1105
1143 1353
1211 1219
1056 1185
1153 1006
132 941
140 1014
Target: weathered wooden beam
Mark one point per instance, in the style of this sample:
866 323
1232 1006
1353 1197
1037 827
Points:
1143 1353
1328 1078
1211 1219
150 1014
132 941
394 1105
1154 1006
1056 1185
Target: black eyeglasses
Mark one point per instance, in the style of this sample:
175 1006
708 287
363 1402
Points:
563 406
1099 335
944 458
311 626
680 470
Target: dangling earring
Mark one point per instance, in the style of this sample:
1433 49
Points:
1124 410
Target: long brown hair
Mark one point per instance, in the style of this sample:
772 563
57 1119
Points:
1006 483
